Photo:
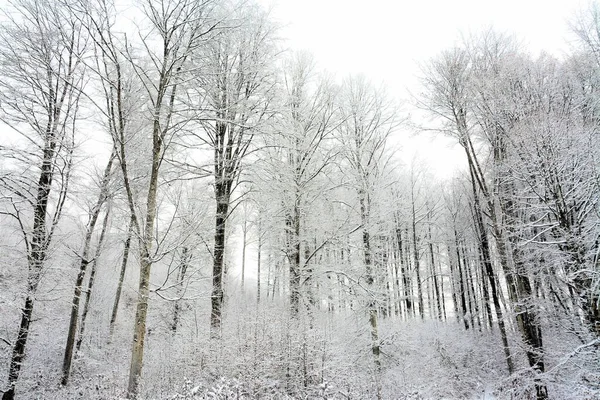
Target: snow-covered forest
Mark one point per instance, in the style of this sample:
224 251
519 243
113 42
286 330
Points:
190 210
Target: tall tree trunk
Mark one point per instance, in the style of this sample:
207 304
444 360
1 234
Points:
407 262
18 353
484 246
416 261
244 237
461 282
66 367
371 303
526 314
146 241
485 290
90 287
453 283
258 259
269 268
115 308
396 280
442 285
222 194
293 245
434 275
36 258
406 284
183 266
471 295
95 212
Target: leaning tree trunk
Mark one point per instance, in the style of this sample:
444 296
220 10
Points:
526 314
484 247
85 261
115 308
68 356
92 279
146 241
36 257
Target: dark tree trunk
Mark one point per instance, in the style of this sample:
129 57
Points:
222 195
527 318
475 176
406 284
436 287
66 367
453 283
36 257
461 282
293 246
485 289
19 348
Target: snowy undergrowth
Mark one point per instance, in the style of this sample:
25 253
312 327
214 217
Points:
264 355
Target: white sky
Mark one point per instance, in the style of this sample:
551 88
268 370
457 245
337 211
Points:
386 40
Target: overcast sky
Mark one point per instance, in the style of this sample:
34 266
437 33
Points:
387 39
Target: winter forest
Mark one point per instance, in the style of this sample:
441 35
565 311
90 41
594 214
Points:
190 210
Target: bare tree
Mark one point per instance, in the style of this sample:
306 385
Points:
39 96
178 28
85 260
234 87
159 65
308 121
454 86
368 120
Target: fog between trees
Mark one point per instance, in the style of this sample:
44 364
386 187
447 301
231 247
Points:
190 211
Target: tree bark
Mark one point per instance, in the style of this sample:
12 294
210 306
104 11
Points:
258 258
90 287
115 308
146 241
222 194
36 257
434 274
293 245
461 282
371 303
416 259
244 237
183 266
406 282
95 212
